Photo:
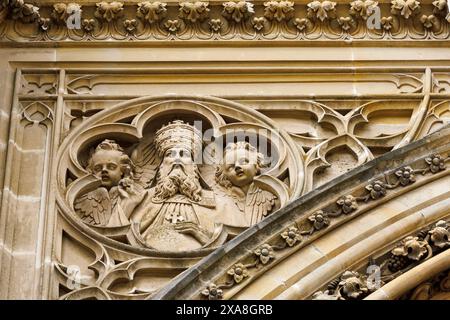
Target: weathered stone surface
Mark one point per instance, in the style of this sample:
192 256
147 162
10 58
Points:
99 137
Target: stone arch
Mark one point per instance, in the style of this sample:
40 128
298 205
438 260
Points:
372 225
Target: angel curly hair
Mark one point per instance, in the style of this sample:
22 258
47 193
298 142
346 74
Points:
221 179
126 165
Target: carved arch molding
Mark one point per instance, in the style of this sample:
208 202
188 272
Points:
342 183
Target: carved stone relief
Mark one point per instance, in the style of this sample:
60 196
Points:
227 20
302 233
137 205
158 186
406 255
140 187
437 288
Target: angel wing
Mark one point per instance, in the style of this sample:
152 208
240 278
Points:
259 203
146 162
94 207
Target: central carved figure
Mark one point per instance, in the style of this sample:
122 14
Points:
176 214
160 195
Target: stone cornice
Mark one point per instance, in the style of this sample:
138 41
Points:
292 22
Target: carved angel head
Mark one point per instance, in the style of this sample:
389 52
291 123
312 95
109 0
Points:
241 163
109 163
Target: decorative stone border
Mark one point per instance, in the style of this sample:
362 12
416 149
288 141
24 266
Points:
301 230
410 252
258 249
230 20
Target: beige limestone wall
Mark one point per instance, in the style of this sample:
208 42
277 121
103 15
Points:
27 214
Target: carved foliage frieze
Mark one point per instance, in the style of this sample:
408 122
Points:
407 254
239 20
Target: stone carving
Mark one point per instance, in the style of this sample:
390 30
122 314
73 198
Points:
157 197
411 247
3 13
237 11
440 234
194 11
89 25
111 204
73 174
239 272
291 236
436 163
406 8
25 12
348 204
278 10
437 288
410 252
62 11
44 23
220 214
351 285
177 210
321 10
387 23
258 23
38 84
130 25
302 23
265 253
152 12
109 11
212 292
377 189
235 179
441 9
430 22
440 6
215 24
363 8
199 20
319 220
346 23
405 175
173 25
